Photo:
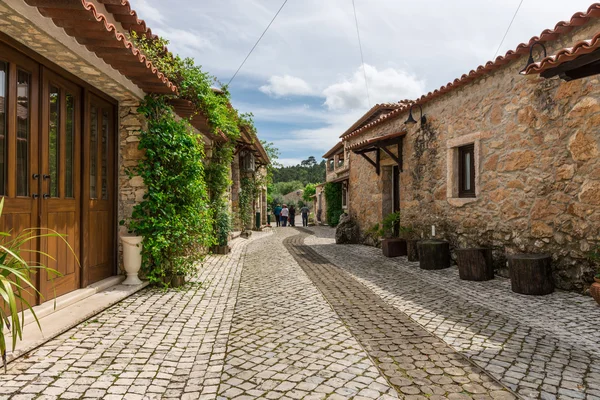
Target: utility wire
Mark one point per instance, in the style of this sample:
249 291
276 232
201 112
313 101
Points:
258 41
362 58
508 29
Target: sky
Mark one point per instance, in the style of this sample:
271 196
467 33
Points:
305 82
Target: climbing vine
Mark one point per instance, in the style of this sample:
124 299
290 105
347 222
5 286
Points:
249 190
197 87
174 217
333 198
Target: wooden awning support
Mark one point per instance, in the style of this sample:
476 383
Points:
377 146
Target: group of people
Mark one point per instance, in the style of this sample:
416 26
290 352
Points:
285 215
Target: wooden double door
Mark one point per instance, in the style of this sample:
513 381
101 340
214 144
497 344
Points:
56 173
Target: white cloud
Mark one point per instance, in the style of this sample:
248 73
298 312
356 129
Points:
148 12
286 85
185 41
387 85
289 162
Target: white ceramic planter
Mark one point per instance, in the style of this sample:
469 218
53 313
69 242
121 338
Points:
132 258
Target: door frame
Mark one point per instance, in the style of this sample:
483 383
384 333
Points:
48 79
91 98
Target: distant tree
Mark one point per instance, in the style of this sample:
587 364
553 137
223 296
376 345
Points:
283 188
309 191
309 162
308 171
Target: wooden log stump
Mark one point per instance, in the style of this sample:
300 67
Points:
531 273
475 264
393 247
412 249
434 254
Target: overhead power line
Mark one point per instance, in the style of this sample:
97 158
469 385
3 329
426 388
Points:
508 29
257 42
362 58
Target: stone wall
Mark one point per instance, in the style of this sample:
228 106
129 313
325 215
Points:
538 173
131 190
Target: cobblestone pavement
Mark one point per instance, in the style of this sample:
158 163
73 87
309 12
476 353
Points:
417 363
286 342
543 347
155 344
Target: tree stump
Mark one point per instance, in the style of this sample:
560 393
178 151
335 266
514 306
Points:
434 254
531 274
412 249
393 247
475 264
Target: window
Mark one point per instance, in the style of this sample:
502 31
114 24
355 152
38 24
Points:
330 164
247 161
23 118
340 162
3 128
466 171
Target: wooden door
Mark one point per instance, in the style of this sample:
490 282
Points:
98 184
19 183
61 198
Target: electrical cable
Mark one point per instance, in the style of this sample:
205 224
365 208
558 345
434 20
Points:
508 29
258 41
362 58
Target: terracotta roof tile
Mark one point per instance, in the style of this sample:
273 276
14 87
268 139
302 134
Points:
578 19
123 13
564 55
81 20
368 142
377 108
334 150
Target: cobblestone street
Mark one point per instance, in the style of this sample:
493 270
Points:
290 315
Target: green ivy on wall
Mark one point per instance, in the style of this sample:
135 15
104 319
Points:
249 190
174 217
333 198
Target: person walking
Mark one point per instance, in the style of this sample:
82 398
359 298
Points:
285 213
277 212
304 211
292 215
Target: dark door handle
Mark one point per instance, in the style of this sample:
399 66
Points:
36 176
46 196
46 176
35 195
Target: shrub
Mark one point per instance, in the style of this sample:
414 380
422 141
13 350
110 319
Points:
333 197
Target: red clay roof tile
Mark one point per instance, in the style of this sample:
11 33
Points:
578 19
81 20
564 55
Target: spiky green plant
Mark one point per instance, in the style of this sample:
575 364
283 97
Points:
16 281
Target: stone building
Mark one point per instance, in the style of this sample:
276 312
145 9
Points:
71 81
502 156
320 205
250 160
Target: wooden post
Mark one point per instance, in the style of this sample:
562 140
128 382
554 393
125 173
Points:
412 249
531 273
434 254
393 247
475 264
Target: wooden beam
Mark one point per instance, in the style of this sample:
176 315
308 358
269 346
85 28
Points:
369 160
392 155
378 160
400 148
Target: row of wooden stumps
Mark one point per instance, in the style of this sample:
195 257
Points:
529 273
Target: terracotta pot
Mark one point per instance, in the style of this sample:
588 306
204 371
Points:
595 291
393 247
132 258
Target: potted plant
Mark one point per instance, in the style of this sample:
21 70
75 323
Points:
16 281
594 256
132 256
222 230
392 245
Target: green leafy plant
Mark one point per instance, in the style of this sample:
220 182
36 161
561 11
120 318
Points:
249 189
174 217
16 280
390 223
333 197
309 191
222 225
